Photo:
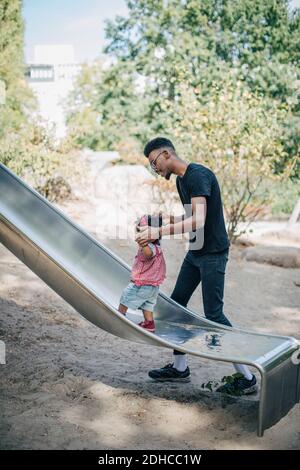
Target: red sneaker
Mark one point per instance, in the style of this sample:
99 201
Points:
149 325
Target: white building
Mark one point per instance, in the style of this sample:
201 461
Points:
51 76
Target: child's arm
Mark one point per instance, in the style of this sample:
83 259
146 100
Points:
147 251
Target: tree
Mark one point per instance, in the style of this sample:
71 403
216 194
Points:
172 60
165 43
18 98
237 136
25 146
81 108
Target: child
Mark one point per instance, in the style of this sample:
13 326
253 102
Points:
148 272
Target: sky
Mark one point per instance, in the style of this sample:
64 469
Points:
77 22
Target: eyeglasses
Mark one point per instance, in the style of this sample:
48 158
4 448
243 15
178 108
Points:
153 163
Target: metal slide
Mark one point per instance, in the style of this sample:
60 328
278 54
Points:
91 278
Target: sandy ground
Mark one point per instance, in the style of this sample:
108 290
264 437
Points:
69 385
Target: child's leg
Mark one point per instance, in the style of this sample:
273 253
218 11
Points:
148 323
123 309
148 315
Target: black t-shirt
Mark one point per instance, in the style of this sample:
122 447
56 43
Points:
200 181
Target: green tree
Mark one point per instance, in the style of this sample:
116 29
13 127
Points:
167 42
83 119
174 59
25 146
158 36
17 94
237 135
162 43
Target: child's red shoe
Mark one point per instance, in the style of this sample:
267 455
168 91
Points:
148 325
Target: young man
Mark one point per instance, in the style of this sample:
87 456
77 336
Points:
206 259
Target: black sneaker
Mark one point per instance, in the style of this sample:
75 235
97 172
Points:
238 385
170 374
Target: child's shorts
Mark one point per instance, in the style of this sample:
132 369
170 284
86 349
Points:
139 297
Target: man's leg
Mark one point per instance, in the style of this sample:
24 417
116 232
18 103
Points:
212 270
187 281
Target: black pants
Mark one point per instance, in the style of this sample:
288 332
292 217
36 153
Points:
210 271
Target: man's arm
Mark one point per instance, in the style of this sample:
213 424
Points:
169 218
194 222
172 219
187 224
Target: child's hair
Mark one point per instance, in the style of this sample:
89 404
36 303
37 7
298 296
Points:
150 220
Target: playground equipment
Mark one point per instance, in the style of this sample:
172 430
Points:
90 278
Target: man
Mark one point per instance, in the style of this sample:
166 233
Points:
207 256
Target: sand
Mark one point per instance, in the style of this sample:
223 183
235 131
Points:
69 385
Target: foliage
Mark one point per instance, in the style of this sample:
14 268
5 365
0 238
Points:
82 115
25 146
236 135
18 98
284 196
219 77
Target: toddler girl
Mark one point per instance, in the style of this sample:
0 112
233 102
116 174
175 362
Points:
148 272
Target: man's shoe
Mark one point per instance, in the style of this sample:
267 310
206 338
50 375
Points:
170 374
148 325
239 385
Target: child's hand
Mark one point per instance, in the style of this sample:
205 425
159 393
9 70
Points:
136 224
142 244
147 234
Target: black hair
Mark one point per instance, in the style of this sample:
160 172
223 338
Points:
152 221
157 143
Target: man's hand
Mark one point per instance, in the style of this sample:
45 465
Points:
147 234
